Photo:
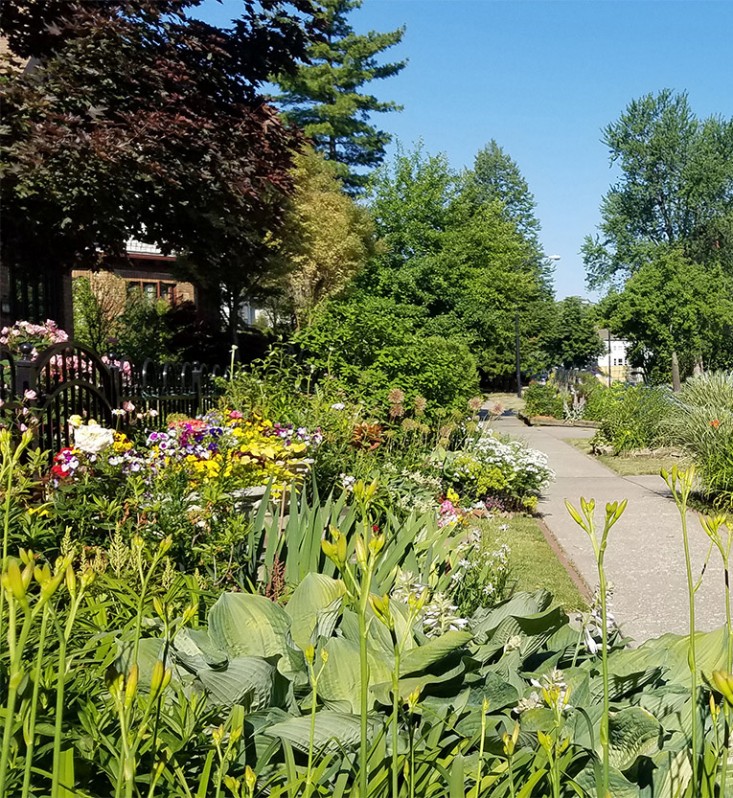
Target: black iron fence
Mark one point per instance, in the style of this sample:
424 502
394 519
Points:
67 380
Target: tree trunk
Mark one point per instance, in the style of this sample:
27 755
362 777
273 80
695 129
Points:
676 384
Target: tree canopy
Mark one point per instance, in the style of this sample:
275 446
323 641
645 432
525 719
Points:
496 175
324 97
674 305
135 119
463 262
675 188
574 342
326 239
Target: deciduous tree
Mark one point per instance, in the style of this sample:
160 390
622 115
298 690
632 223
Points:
135 119
496 176
327 237
672 305
675 188
574 342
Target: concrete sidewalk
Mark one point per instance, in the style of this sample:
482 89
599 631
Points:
645 554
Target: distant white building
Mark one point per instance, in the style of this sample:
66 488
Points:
615 360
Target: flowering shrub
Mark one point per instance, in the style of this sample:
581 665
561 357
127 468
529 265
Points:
40 336
490 467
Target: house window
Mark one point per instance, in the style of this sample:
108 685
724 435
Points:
152 290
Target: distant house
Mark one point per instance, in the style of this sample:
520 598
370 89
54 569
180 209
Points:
145 270
48 293
615 360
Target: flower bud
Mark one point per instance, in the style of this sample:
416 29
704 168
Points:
156 680
723 683
70 580
250 779
361 552
131 684
42 574
376 544
13 581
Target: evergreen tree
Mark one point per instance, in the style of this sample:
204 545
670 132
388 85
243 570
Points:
323 97
496 175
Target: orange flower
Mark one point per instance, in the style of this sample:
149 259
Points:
715 423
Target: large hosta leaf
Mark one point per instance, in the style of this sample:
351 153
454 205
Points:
633 732
670 652
314 608
485 622
435 650
244 624
672 774
339 684
423 681
245 680
619 785
333 731
193 648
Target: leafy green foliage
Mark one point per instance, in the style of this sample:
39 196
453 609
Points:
459 259
672 304
496 175
543 400
701 421
574 342
323 96
372 345
326 238
675 188
631 416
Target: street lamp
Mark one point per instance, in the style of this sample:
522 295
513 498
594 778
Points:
550 259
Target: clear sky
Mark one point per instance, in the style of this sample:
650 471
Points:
543 77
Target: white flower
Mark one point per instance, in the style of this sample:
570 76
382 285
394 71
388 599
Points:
338 406
118 411
92 439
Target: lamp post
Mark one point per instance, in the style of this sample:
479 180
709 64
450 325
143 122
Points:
516 354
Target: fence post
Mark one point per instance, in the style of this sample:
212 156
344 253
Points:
26 373
115 393
197 387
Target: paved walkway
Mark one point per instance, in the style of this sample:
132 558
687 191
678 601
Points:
645 555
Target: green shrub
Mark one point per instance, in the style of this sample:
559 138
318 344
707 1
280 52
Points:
370 346
543 400
701 421
632 417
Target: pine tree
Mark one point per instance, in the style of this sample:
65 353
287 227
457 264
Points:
323 97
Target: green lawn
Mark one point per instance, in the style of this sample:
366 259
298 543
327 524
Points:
629 465
532 561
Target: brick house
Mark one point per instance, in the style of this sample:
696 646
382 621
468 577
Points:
145 270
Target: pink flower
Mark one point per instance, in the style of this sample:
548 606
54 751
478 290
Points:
128 406
30 396
236 414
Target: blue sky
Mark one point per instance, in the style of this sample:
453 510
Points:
543 77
